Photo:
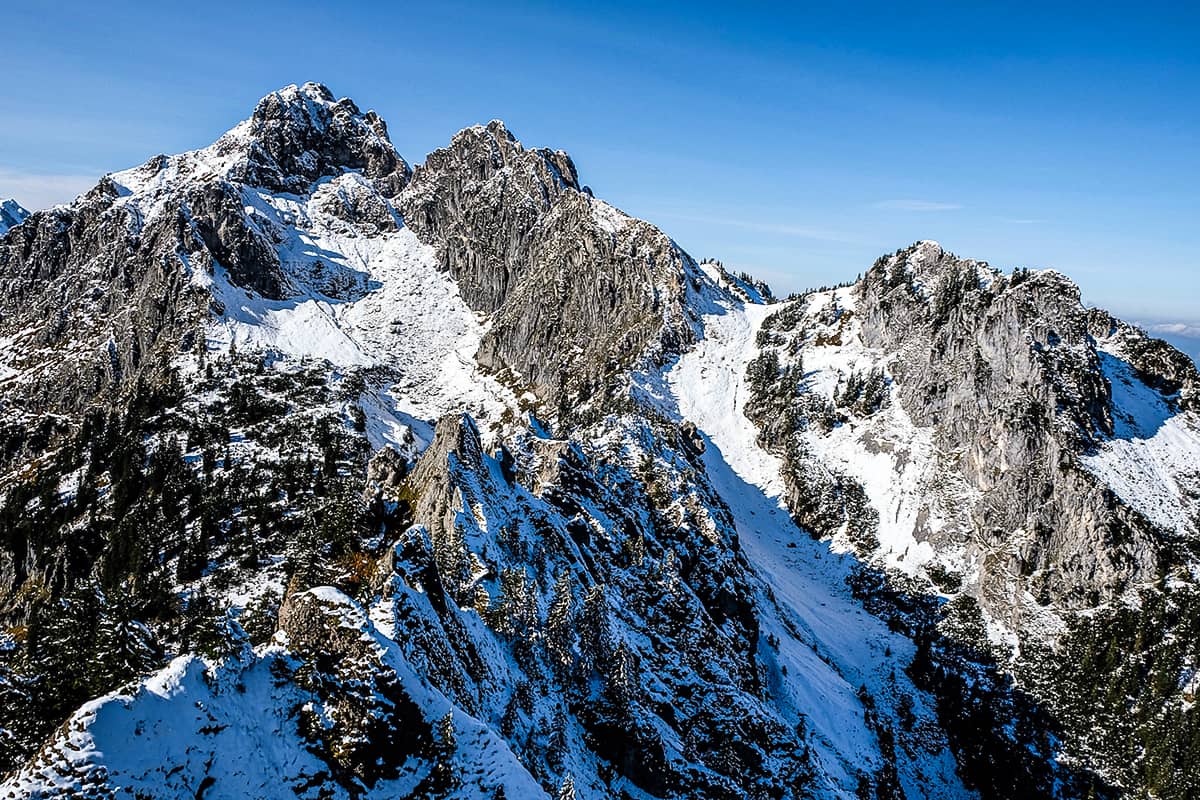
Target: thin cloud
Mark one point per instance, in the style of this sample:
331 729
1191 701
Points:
1011 221
916 205
782 229
35 191
1189 330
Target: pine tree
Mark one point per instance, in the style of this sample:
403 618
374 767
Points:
306 562
763 371
342 520
567 790
872 393
132 547
169 475
196 552
559 742
595 635
447 739
218 636
126 648
443 778
673 602
327 442
622 682
208 461
61 646
261 617
560 624
452 559
634 549
516 613
511 717
126 468
359 418
22 723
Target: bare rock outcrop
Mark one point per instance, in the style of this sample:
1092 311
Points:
576 289
1008 373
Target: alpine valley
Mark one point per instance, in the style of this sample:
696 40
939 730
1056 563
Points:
327 476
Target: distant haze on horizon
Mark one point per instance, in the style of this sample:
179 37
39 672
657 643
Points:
796 145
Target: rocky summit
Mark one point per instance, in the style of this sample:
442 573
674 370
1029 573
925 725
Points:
325 475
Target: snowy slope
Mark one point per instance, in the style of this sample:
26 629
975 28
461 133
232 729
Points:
164 737
410 319
1152 461
894 460
134 734
359 299
829 643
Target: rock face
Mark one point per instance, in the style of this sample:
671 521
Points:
576 290
1010 400
1008 372
489 528
368 724
96 295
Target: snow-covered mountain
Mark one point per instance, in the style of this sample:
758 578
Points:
325 475
11 214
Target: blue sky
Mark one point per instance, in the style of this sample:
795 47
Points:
796 143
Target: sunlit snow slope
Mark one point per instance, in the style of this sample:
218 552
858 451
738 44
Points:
1152 461
359 298
829 645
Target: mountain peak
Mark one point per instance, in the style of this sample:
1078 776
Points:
493 151
317 92
300 134
310 105
11 215
295 136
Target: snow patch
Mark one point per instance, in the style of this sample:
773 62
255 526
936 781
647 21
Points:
1152 461
895 461
611 219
